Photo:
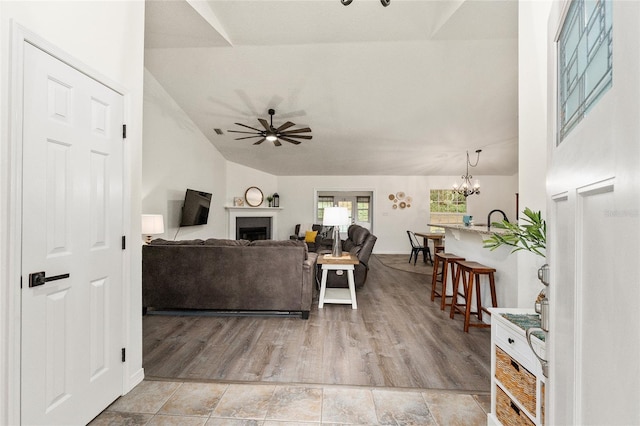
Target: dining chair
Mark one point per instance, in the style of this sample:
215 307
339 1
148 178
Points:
416 248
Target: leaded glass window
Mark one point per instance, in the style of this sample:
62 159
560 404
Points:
585 60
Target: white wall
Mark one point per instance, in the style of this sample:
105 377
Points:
532 148
390 225
108 37
240 177
177 156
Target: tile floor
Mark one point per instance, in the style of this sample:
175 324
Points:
191 403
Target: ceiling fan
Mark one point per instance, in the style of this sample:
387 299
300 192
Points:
273 134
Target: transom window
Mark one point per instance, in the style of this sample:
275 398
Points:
585 60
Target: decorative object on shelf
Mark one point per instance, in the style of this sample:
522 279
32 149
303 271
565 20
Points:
467 188
152 224
238 202
253 196
336 217
276 200
400 199
270 200
273 134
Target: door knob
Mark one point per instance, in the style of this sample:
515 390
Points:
39 278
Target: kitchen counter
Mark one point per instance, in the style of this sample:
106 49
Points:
479 229
467 241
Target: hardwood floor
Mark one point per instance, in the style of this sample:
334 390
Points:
396 338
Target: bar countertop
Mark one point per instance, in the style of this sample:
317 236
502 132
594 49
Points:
478 229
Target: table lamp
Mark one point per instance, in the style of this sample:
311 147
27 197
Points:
152 224
336 217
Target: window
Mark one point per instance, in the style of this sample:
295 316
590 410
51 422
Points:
446 206
585 60
364 208
323 201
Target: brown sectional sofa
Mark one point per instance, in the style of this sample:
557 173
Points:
228 275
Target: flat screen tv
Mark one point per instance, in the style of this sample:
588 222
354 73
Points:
195 210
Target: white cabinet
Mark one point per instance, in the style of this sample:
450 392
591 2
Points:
517 382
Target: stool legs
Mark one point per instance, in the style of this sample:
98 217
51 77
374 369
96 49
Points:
469 274
434 278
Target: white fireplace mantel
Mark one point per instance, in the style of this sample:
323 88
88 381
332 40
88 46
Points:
234 212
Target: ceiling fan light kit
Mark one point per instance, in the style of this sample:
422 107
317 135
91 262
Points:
273 134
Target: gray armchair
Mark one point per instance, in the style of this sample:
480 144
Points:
360 243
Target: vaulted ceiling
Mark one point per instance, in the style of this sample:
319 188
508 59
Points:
400 90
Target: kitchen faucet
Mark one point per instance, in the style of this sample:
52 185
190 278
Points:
504 215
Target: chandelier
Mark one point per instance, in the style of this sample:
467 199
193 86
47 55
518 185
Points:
385 3
467 188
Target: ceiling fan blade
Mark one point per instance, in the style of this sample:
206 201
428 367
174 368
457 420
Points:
277 143
298 136
306 129
284 138
260 141
285 126
249 133
249 137
248 127
264 123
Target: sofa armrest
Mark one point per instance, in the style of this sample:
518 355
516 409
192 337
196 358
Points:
309 277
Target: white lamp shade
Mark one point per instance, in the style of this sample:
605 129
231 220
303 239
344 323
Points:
152 224
335 216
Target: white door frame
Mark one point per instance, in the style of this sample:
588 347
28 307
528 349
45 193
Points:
11 242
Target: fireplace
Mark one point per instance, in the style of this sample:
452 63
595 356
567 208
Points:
253 228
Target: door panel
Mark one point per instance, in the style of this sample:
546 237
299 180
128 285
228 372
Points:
594 229
72 223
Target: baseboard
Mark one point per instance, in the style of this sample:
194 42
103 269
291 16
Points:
134 380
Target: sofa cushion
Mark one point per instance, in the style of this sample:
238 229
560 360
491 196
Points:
161 242
310 236
283 243
225 243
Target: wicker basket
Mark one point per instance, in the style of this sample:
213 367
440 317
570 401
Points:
517 380
508 412
542 402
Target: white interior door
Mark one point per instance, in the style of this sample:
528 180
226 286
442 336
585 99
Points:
72 224
594 232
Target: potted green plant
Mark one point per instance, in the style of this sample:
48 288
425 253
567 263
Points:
530 236
270 200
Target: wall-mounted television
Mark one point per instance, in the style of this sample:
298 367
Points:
195 210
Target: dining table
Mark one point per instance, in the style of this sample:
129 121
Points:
436 237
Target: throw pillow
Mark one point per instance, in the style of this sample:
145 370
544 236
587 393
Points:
310 236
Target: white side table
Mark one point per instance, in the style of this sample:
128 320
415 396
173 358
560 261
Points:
338 295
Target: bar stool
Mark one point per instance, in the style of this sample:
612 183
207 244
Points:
469 273
438 249
448 261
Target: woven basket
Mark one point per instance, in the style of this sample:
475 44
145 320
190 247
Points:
542 402
508 412
517 380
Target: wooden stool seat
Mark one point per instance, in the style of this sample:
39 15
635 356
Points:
438 249
468 273
448 261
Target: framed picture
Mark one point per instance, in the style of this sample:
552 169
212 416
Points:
238 202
